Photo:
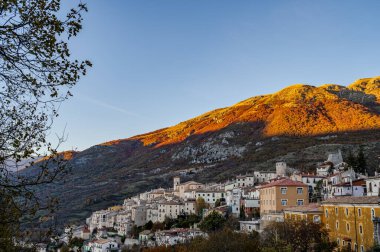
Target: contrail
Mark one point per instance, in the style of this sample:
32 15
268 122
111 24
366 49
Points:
107 105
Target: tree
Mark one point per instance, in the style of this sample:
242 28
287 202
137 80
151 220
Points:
200 204
36 74
212 222
299 235
361 161
225 240
351 160
242 212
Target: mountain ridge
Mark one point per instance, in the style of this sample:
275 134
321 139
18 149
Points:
299 124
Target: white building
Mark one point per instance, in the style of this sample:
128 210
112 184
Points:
210 196
249 226
233 198
264 176
101 245
373 185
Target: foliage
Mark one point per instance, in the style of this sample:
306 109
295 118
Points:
148 225
135 231
212 222
158 226
299 235
225 240
76 242
36 74
200 205
242 212
186 221
358 162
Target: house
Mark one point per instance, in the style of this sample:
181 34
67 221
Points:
264 176
245 180
145 236
85 233
170 208
353 222
311 212
249 226
176 236
210 196
281 194
180 188
233 198
373 185
251 207
352 188
314 182
101 245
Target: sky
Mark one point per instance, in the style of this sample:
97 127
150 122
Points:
159 62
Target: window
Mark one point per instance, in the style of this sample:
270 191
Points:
360 229
300 190
283 190
361 248
327 213
299 202
337 225
316 219
347 211
359 212
338 241
348 227
284 202
373 213
336 210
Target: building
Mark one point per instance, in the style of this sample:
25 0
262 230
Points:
311 212
264 176
314 182
355 188
101 245
281 194
353 222
245 180
210 196
373 185
249 226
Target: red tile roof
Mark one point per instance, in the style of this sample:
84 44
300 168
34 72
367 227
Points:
284 182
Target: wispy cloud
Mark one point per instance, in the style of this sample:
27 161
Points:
107 105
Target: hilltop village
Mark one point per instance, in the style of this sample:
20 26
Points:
345 202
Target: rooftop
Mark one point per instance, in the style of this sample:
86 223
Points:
283 182
352 200
313 207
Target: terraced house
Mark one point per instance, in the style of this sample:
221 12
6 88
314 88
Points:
353 222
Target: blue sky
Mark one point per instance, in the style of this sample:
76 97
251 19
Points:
160 62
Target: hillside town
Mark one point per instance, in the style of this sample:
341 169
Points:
345 202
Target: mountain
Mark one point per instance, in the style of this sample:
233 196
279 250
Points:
300 124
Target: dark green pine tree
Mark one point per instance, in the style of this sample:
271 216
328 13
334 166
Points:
351 160
361 161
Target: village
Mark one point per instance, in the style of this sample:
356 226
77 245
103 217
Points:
345 202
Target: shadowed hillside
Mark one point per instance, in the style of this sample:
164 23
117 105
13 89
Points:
300 124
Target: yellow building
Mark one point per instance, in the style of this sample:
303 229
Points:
353 221
311 212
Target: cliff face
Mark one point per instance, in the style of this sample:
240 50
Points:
300 124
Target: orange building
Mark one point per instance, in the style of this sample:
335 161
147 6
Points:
281 194
353 222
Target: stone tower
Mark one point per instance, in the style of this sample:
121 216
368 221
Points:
176 182
281 169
